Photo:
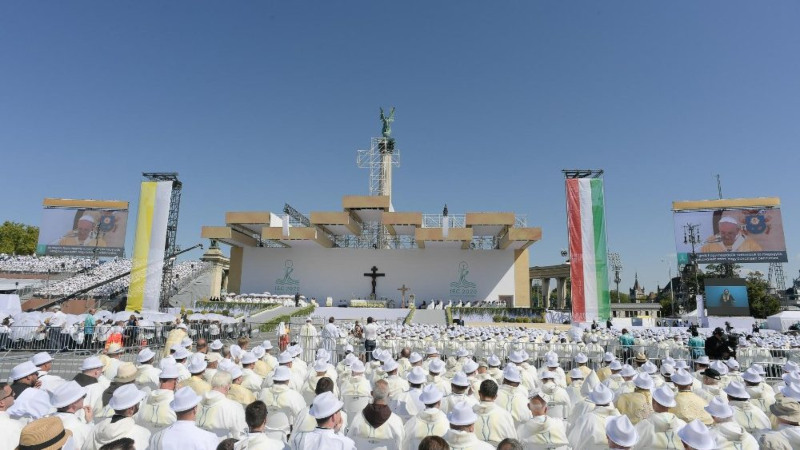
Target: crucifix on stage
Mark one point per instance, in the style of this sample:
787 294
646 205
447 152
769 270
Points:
374 275
403 290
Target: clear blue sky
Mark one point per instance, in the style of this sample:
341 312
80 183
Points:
256 103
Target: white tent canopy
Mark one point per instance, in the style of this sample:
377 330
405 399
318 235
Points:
783 320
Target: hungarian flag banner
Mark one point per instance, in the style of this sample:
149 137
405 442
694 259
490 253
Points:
586 225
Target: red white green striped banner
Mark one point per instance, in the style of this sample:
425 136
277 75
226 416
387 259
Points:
586 225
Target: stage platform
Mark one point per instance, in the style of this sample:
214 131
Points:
379 314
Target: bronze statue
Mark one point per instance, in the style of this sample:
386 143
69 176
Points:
387 123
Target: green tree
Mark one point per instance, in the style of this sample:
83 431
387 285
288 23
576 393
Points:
762 304
721 270
18 238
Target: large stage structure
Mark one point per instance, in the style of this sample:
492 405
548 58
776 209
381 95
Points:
367 250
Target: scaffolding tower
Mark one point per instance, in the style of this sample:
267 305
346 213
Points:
775 278
171 247
379 159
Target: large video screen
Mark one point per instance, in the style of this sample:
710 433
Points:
731 236
83 228
726 297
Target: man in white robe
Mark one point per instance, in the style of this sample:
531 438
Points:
376 425
125 404
589 432
219 414
68 400
494 423
256 439
429 422
155 413
44 362
659 431
329 336
511 398
745 413
327 411
250 379
308 339
184 434
147 375
281 399
461 434
728 435
542 431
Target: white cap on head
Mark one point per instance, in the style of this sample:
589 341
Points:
719 408
248 358
358 367
664 396
460 379
576 374
493 361
320 365
267 345
390 365
234 370
197 364
621 431
282 373
580 358
181 353
125 397
648 368
325 405
643 381
284 358
736 390
417 376
414 358
615 365
681 378
751 375
185 399
511 373
66 394
169 372
436 366
41 358
608 357
216 344
791 390
696 435
462 414
470 366
628 371
601 395
551 361
430 395
92 362
22 370
145 355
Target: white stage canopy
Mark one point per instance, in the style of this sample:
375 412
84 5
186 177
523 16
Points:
783 320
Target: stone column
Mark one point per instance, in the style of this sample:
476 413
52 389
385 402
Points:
219 263
546 292
561 290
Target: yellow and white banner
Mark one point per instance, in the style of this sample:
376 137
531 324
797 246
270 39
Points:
148 248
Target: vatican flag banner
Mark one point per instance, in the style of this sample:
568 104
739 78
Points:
586 226
148 247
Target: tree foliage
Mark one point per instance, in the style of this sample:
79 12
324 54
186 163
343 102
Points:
762 303
18 238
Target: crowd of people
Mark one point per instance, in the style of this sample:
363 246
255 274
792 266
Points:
443 393
44 264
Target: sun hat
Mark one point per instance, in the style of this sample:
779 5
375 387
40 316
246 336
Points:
235 371
608 357
186 342
460 379
185 399
790 366
325 405
681 378
580 358
786 409
732 364
126 373
125 397
358 367
462 414
248 358
759 369
436 366
145 355
736 390
719 408
114 349
601 395
213 357
696 435
750 375
181 353
41 358
284 358
282 373
197 364
621 431
664 396
791 377
320 365
720 367
22 370
511 373
416 376
702 360
66 394
615 365
462 352
791 390
169 372
667 369
627 371
47 433
643 381
640 358
414 358
216 344
469 366
430 395
258 351
648 368
576 374
551 361
493 361
267 345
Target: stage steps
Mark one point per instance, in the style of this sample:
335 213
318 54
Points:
430 317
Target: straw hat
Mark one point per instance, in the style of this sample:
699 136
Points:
126 373
47 433
787 409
